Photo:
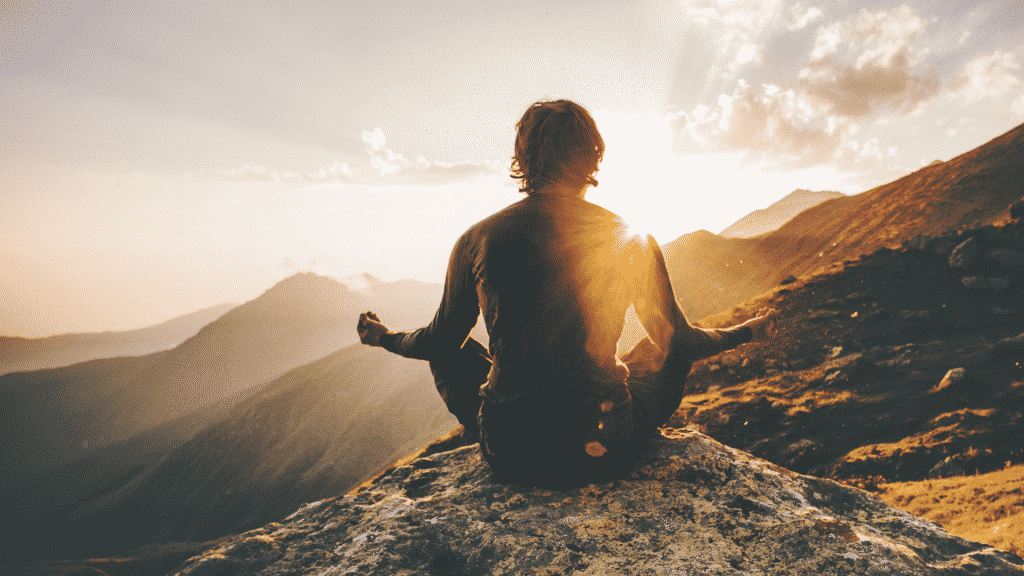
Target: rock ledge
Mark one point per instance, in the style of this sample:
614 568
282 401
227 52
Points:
692 506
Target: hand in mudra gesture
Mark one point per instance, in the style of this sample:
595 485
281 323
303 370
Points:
370 329
763 326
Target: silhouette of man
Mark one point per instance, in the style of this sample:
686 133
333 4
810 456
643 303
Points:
555 276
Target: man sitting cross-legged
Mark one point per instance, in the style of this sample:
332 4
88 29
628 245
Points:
554 276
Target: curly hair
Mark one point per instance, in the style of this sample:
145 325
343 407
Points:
556 142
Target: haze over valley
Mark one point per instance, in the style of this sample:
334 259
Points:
199 200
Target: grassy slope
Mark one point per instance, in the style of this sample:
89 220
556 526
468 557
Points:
987 508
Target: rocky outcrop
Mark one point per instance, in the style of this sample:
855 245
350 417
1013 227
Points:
692 506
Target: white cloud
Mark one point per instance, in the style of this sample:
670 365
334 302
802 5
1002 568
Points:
987 77
869 63
337 172
389 167
745 19
769 123
391 164
803 16
1017 106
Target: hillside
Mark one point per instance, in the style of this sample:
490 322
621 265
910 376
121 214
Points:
314 432
900 366
972 189
774 216
52 416
26 354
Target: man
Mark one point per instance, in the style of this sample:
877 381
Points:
554 276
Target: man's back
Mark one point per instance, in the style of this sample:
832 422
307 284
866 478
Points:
554 277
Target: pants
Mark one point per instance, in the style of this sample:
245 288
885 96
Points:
561 439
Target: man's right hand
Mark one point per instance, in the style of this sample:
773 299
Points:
763 327
370 329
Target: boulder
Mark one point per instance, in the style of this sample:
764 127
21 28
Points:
963 256
692 506
915 315
975 283
1011 346
850 363
953 376
1017 210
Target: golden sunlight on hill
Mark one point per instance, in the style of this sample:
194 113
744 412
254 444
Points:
986 508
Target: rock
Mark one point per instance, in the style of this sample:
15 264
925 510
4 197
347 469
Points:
1007 258
975 283
952 377
1017 210
948 467
963 256
823 314
837 377
1010 346
788 280
969 462
849 363
692 506
915 314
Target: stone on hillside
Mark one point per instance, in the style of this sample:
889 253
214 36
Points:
915 314
837 377
1017 210
963 255
952 377
788 280
1007 258
849 363
692 506
950 466
975 283
1012 345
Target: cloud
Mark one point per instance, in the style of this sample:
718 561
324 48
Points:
337 172
987 77
395 167
744 19
388 167
803 16
868 64
1017 107
770 123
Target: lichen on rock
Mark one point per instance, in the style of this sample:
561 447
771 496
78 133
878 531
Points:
691 506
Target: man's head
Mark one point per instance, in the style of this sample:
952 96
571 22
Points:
557 145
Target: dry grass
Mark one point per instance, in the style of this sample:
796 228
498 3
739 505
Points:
987 508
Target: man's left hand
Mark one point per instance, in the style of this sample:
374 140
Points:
370 329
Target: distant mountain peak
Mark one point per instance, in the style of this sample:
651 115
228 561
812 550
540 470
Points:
779 213
364 282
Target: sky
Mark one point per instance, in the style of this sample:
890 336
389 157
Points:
157 158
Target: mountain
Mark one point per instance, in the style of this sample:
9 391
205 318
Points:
26 354
693 505
773 217
55 415
903 365
972 189
312 433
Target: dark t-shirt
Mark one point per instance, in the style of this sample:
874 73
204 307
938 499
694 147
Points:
554 277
